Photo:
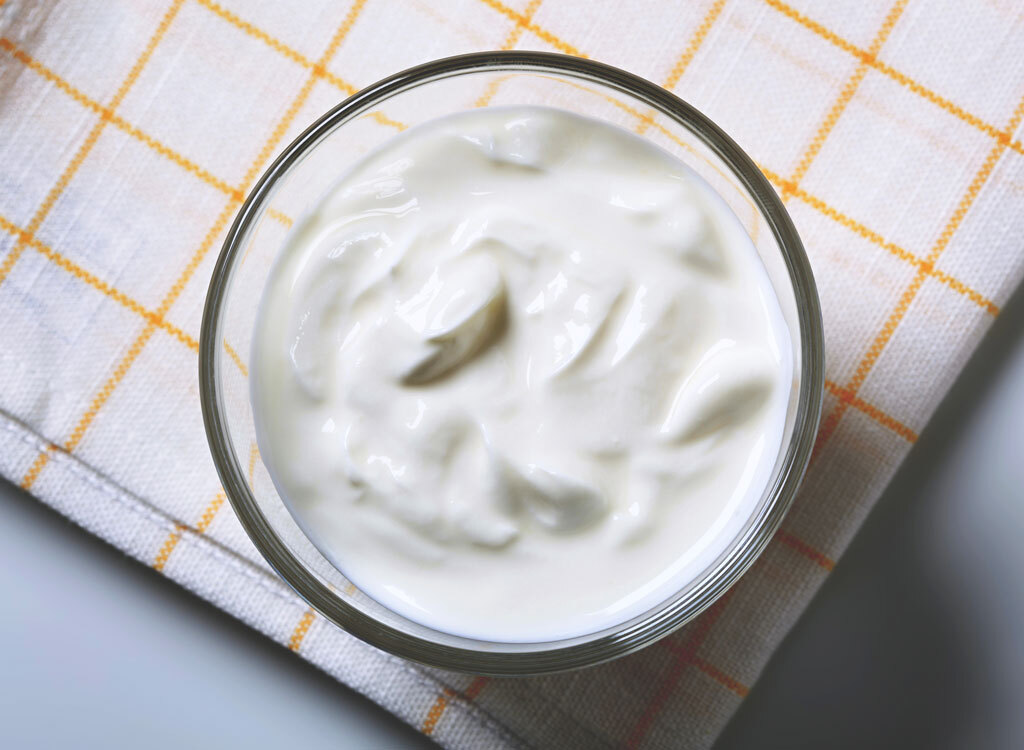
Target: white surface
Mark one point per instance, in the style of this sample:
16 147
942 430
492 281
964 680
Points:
914 640
99 651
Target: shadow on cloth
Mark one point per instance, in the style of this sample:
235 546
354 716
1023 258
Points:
884 657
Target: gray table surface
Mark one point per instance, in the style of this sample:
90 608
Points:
915 640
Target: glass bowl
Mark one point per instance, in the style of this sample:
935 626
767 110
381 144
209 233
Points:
296 181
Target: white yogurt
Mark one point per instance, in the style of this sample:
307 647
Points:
520 375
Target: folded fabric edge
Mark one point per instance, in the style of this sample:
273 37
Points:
96 504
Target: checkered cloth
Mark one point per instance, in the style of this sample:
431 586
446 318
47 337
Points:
130 132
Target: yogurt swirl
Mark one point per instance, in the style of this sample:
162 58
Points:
520 375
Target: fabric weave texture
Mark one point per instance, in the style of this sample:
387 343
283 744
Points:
130 131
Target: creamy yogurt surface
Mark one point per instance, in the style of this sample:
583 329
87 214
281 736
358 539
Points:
520 375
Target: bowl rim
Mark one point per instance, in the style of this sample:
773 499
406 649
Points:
517 659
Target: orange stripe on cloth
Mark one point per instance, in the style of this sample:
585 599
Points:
844 98
510 41
280 216
517 31
276 44
892 323
235 358
210 512
721 677
205 520
254 454
90 140
318 71
884 419
901 78
160 561
533 28
696 41
185 163
437 711
169 545
385 120
97 283
129 129
950 107
958 286
257 33
489 93
718 675
697 633
299 633
147 53
872 236
694 45
799 545
445 697
37 466
125 364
